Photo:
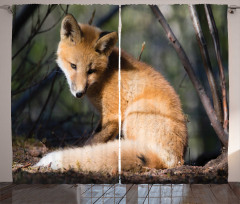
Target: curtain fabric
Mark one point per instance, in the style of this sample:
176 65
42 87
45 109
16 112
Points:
80 116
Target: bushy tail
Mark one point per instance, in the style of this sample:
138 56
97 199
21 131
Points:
104 157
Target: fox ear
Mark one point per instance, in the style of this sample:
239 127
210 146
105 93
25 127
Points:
106 42
70 29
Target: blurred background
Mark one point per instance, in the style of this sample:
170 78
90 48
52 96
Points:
42 105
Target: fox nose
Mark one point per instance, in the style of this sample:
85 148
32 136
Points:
79 94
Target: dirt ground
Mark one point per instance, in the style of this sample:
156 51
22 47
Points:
25 156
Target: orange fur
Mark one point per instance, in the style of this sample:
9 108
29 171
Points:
154 127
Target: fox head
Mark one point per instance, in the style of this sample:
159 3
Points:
83 53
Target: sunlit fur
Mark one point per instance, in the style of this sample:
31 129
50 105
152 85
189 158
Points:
153 124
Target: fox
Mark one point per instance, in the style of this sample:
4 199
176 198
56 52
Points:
154 127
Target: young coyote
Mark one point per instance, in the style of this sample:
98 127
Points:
154 125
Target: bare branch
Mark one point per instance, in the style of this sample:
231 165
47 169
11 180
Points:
22 61
28 75
189 69
206 61
143 46
182 80
28 94
43 108
67 7
35 31
50 28
18 91
91 19
66 10
61 88
214 33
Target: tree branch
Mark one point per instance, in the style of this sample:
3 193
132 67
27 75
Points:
92 17
206 61
197 84
140 55
44 107
214 33
30 93
35 31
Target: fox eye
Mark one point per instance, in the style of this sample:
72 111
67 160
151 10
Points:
73 66
90 71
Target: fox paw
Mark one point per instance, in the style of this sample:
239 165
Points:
54 160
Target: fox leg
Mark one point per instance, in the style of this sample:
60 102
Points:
104 132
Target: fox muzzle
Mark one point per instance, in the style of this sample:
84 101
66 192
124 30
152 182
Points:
79 94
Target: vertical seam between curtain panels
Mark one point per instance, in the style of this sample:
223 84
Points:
119 94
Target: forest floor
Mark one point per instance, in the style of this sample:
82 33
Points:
27 154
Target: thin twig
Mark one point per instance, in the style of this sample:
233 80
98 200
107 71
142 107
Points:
35 31
182 80
13 93
66 10
28 75
143 46
189 69
50 28
206 61
26 165
22 61
91 19
30 93
214 33
43 108
67 7
61 88
63 140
